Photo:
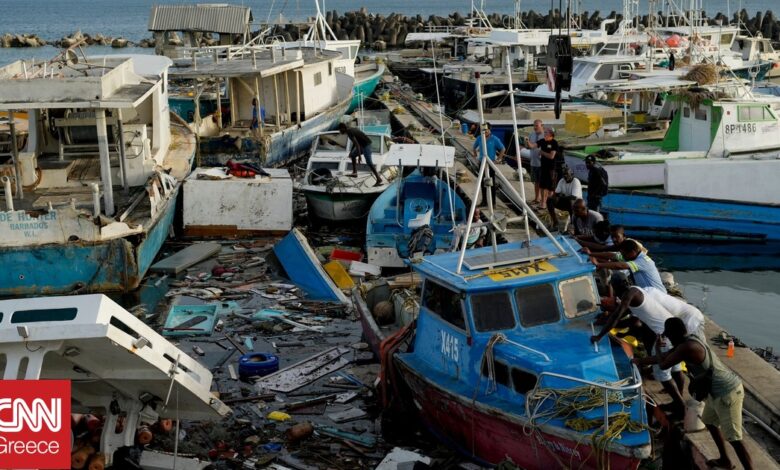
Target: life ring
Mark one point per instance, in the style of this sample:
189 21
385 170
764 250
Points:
257 364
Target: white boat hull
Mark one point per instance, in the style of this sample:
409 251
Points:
623 175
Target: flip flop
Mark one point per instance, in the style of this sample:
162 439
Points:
353 176
378 183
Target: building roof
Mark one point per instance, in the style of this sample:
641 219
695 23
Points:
212 17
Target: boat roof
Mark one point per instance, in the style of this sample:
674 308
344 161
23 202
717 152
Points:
210 17
432 156
265 63
105 82
516 266
609 59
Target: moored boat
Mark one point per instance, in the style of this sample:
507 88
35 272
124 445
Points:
503 345
96 185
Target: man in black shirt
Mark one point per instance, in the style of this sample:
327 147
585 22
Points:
598 183
549 177
361 145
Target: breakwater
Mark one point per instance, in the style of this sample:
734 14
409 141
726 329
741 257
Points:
381 31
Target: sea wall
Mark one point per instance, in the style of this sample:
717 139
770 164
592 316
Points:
391 30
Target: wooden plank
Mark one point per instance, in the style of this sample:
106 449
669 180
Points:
185 258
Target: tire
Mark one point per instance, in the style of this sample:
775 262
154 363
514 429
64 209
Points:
257 364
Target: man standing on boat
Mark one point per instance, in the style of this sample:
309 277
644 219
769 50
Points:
361 145
598 183
495 152
255 124
723 403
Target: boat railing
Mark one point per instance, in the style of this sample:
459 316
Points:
634 386
440 29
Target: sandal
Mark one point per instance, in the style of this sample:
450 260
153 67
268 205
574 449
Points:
354 175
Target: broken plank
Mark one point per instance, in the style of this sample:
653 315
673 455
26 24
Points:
185 258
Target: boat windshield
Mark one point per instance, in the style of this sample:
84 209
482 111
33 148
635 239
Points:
492 311
537 305
578 296
332 142
444 303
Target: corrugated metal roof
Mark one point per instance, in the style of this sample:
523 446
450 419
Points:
212 17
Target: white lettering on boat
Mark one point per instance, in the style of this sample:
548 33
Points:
449 346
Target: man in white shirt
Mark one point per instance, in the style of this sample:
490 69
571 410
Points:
569 189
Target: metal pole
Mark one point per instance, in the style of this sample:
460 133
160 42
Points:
472 209
517 142
15 155
105 162
483 151
122 161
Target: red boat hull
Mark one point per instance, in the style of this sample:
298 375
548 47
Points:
491 438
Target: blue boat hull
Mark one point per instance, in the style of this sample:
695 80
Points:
387 240
659 216
113 265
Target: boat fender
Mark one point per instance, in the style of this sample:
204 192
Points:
257 364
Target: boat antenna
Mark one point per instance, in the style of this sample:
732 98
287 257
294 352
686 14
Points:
443 134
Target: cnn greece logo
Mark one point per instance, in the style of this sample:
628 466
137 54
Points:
35 424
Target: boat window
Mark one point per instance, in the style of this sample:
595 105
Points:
537 305
523 381
376 143
755 113
726 38
330 68
686 112
500 369
332 142
701 114
49 314
317 78
353 50
329 165
445 303
578 296
492 311
604 72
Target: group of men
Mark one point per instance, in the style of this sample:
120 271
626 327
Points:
671 330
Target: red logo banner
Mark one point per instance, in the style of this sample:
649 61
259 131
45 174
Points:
35 424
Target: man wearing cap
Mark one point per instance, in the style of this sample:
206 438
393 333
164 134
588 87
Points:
723 403
569 189
598 182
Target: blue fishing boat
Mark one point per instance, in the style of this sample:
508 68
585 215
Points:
419 212
503 345
367 78
91 199
649 215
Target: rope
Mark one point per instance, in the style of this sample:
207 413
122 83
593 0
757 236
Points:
487 359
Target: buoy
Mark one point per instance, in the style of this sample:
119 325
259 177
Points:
383 313
144 435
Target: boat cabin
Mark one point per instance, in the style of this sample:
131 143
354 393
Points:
201 25
330 151
599 71
96 128
290 86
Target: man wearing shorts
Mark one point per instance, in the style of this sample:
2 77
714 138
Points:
723 405
548 150
361 145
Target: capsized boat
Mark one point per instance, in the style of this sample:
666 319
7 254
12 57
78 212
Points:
91 198
113 361
331 192
418 212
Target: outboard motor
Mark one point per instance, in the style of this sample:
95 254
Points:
421 241
559 67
